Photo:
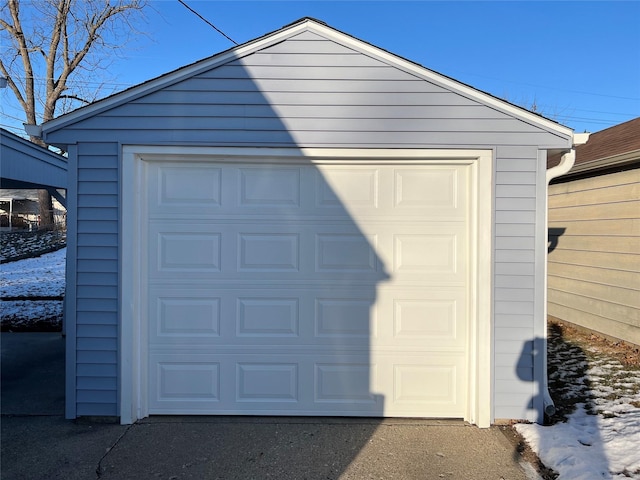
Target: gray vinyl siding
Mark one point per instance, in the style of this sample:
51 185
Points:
594 267
308 92
96 288
516 225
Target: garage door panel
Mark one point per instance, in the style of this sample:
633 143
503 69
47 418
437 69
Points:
310 190
428 320
430 255
307 289
275 251
419 317
268 252
183 252
417 253
187 314
341 186
268 187
180 187
377 384
438 190
436 384
342 252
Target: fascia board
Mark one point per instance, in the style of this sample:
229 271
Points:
622 159
170 78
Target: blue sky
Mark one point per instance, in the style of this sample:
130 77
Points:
578 61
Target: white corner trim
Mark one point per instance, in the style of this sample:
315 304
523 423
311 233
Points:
132 352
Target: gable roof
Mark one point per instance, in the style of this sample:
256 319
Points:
612 146
306 25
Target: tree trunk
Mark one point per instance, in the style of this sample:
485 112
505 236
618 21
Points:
46 209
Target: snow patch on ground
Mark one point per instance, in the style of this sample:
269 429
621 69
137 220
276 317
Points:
23 282
34 277
600 438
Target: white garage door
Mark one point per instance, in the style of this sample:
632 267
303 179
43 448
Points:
307 289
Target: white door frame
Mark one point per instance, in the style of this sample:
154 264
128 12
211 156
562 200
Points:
133 335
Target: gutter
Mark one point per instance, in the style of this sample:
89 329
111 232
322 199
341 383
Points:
566 162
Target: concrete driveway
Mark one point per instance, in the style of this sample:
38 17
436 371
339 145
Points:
38 443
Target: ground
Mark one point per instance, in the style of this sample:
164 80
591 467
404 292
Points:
594 381
32 287
595 432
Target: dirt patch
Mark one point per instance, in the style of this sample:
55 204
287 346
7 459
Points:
626 353
49 322
524 452
23 244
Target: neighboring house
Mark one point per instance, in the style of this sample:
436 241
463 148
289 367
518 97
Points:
306 224
24 167
594 233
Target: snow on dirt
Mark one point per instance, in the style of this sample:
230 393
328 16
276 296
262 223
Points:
600 435
31 291
34 277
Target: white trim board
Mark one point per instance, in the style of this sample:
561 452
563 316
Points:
133 341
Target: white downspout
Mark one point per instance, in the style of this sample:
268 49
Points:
566 163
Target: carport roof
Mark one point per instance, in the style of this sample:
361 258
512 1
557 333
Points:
27 165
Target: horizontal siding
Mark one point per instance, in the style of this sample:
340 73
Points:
282 97
594 264
594 243
597 323
299 138
626 296
514 276
610 309
96 383
107 227
605 211
98 239
606 195
608 261
97 280
305 92
197 111
605 228
622 279
512 321
366 125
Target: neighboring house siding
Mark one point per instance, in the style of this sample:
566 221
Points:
594 263
333 97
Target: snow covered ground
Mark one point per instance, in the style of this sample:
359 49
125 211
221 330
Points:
31 291
600 437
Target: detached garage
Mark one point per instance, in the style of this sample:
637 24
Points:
306 225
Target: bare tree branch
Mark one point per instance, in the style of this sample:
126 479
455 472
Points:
66 42
65 33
